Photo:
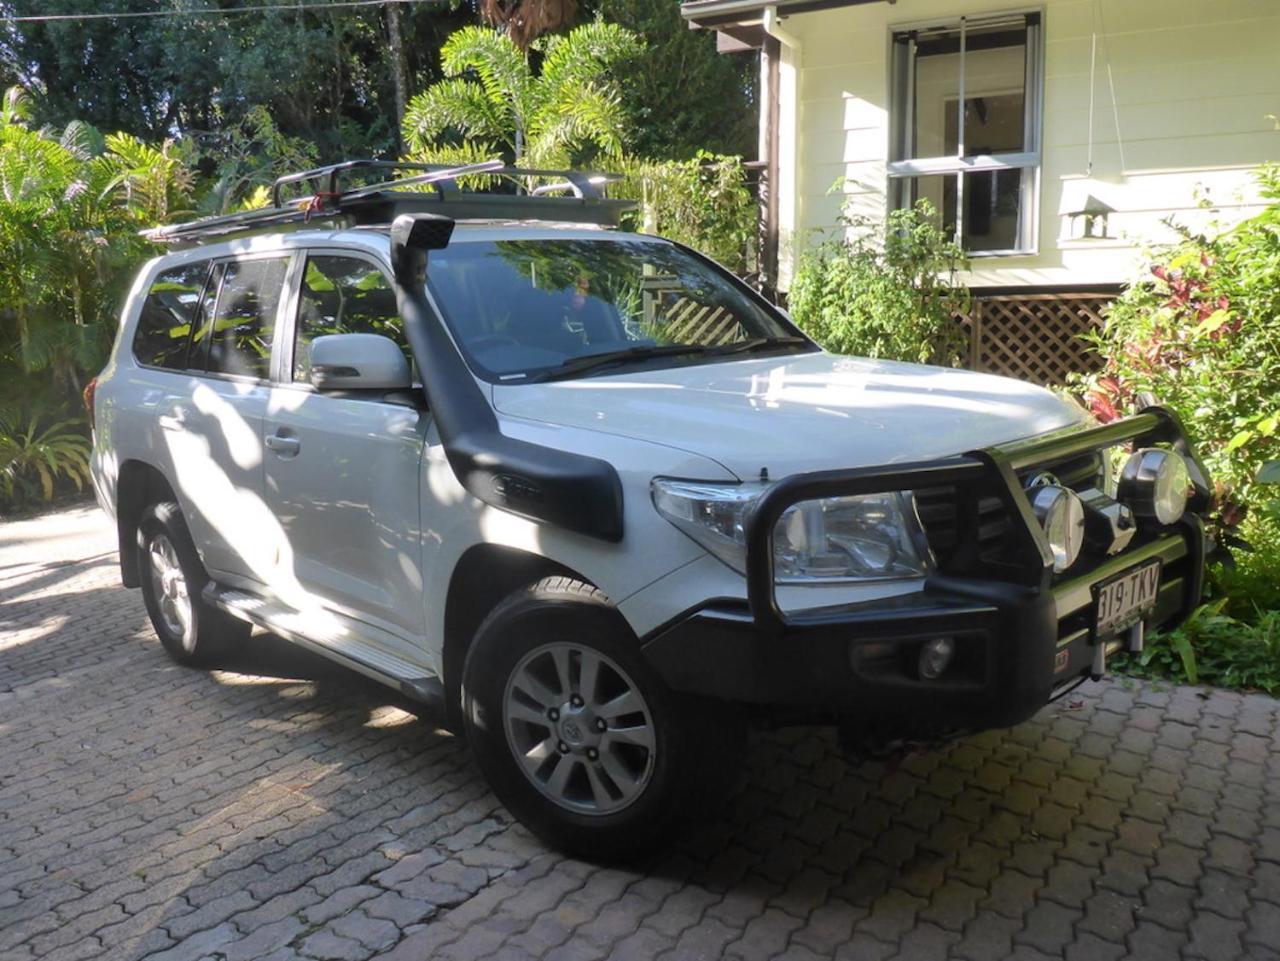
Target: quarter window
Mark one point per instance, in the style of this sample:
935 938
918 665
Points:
245 317
170 307
343 295
965 129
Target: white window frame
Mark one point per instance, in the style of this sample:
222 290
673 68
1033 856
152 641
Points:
902 167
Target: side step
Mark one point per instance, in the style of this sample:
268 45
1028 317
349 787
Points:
332 641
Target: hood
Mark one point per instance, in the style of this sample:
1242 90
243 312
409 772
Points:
799 413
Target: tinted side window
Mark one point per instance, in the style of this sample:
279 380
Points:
168 311
245 317
343 295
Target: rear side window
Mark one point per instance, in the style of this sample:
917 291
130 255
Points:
164 327
244 320
343 295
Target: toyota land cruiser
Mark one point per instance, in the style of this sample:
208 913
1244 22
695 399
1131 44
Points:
600 503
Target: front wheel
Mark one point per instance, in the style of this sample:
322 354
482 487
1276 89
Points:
579 737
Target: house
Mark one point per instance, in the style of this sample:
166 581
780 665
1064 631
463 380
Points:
1056 138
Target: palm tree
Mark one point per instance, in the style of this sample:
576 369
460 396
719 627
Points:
492 104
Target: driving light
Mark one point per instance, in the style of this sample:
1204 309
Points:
872 536
1155 483
935 657
1061 514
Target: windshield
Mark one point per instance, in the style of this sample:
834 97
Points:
544 308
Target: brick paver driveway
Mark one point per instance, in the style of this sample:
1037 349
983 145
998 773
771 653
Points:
284 808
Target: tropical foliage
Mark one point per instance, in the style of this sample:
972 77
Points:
681 96
71 205
494 104
37 446
886 290
1201 332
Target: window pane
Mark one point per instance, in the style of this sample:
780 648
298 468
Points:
343 295
164 326
992 206
991 70
992 124
992 201
198 355
245 318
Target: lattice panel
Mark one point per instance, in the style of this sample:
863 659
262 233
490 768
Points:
692 323
1034 337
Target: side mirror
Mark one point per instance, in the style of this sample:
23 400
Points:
412 235
358 362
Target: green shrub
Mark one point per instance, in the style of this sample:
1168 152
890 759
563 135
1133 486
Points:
1213 647
1201 332
39 444
887 290
703 202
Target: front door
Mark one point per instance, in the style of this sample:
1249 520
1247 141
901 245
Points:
342 471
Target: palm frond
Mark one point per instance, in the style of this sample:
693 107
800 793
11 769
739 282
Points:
453 105
587 117
586 54
16 106
502 68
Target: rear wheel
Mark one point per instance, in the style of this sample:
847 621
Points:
172 579
578 735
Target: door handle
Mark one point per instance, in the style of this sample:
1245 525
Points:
176 419
283 444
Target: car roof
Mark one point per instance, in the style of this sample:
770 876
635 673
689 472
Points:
374 239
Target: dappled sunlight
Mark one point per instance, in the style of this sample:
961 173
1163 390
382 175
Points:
238 516
243 444
12 639
389 717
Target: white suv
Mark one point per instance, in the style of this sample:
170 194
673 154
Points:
599 502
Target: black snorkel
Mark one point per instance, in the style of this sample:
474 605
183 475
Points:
572 491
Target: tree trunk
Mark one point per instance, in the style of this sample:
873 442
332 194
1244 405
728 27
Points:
399 68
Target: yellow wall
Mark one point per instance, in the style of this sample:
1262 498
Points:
1195 81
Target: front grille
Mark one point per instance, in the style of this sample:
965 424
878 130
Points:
938 511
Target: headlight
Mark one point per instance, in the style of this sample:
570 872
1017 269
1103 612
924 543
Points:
836 538
1155 483
1061 514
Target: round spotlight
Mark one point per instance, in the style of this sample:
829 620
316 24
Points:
1155 483
935 657
1061 514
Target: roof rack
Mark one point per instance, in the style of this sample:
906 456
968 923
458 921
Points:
568 196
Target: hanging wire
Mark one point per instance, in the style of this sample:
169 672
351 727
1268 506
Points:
1111 85
1093 72
206 11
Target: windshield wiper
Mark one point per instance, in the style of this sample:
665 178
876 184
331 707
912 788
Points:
576 365
752 344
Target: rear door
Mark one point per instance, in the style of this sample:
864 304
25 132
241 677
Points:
342 470
215 432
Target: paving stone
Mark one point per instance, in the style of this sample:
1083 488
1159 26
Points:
1214 937
268 811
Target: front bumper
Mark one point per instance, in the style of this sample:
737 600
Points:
1021 635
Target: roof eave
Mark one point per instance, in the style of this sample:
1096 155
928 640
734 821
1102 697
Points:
720 13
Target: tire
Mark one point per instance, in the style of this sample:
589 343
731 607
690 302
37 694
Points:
640 757
172 579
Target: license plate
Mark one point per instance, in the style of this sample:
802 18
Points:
1125 599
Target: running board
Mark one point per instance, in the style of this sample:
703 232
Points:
331 641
